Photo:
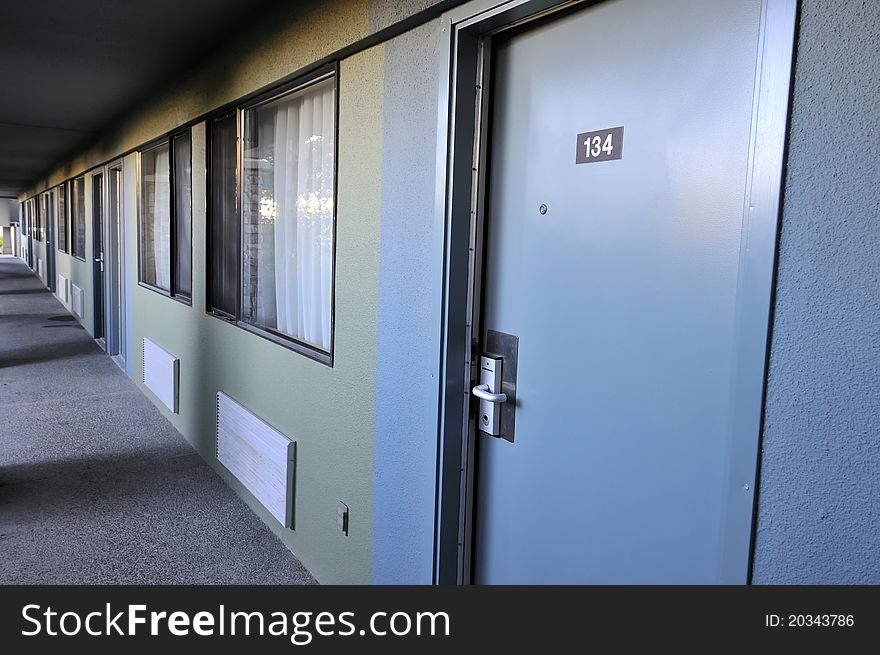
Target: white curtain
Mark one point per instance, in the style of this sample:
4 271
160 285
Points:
162 221
294 271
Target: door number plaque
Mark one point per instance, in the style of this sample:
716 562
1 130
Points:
600 145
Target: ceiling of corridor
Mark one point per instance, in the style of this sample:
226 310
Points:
68 69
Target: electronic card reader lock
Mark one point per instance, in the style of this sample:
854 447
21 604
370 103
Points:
496 389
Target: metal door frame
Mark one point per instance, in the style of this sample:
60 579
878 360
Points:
51 210
30 236
114 265
460 179
99 221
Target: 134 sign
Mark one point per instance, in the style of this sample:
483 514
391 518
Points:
601 145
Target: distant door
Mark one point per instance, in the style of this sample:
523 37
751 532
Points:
49 215
616 197
98 252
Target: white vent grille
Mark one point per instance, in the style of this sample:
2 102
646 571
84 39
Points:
76 300
258 455
39 267
62 290
160 374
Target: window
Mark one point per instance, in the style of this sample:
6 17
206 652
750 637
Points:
33 218
155 228
78 232
165 242
286 245
62 217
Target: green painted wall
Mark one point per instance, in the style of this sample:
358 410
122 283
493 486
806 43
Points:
62 267
40 254
81 276
79 272
328 411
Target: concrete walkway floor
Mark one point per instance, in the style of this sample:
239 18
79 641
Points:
96 486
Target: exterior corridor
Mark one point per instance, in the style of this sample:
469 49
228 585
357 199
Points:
96 486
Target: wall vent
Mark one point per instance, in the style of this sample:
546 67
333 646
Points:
61 289
161 373
76 304
258 455
40 267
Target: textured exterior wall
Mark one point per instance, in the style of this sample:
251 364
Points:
384 13
410 294
819 496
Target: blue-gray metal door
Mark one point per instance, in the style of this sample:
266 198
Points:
616 263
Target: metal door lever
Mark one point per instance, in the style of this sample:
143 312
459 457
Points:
482 392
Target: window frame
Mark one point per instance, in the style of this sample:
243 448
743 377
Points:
175 249
209 206
321 74
167 141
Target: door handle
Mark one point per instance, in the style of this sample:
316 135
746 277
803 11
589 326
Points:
482 392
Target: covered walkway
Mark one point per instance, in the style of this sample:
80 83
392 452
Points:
96 486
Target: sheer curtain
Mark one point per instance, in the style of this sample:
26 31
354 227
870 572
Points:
289 263
162 221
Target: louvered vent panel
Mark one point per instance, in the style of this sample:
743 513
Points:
161 373
62 290
262 458
76 300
